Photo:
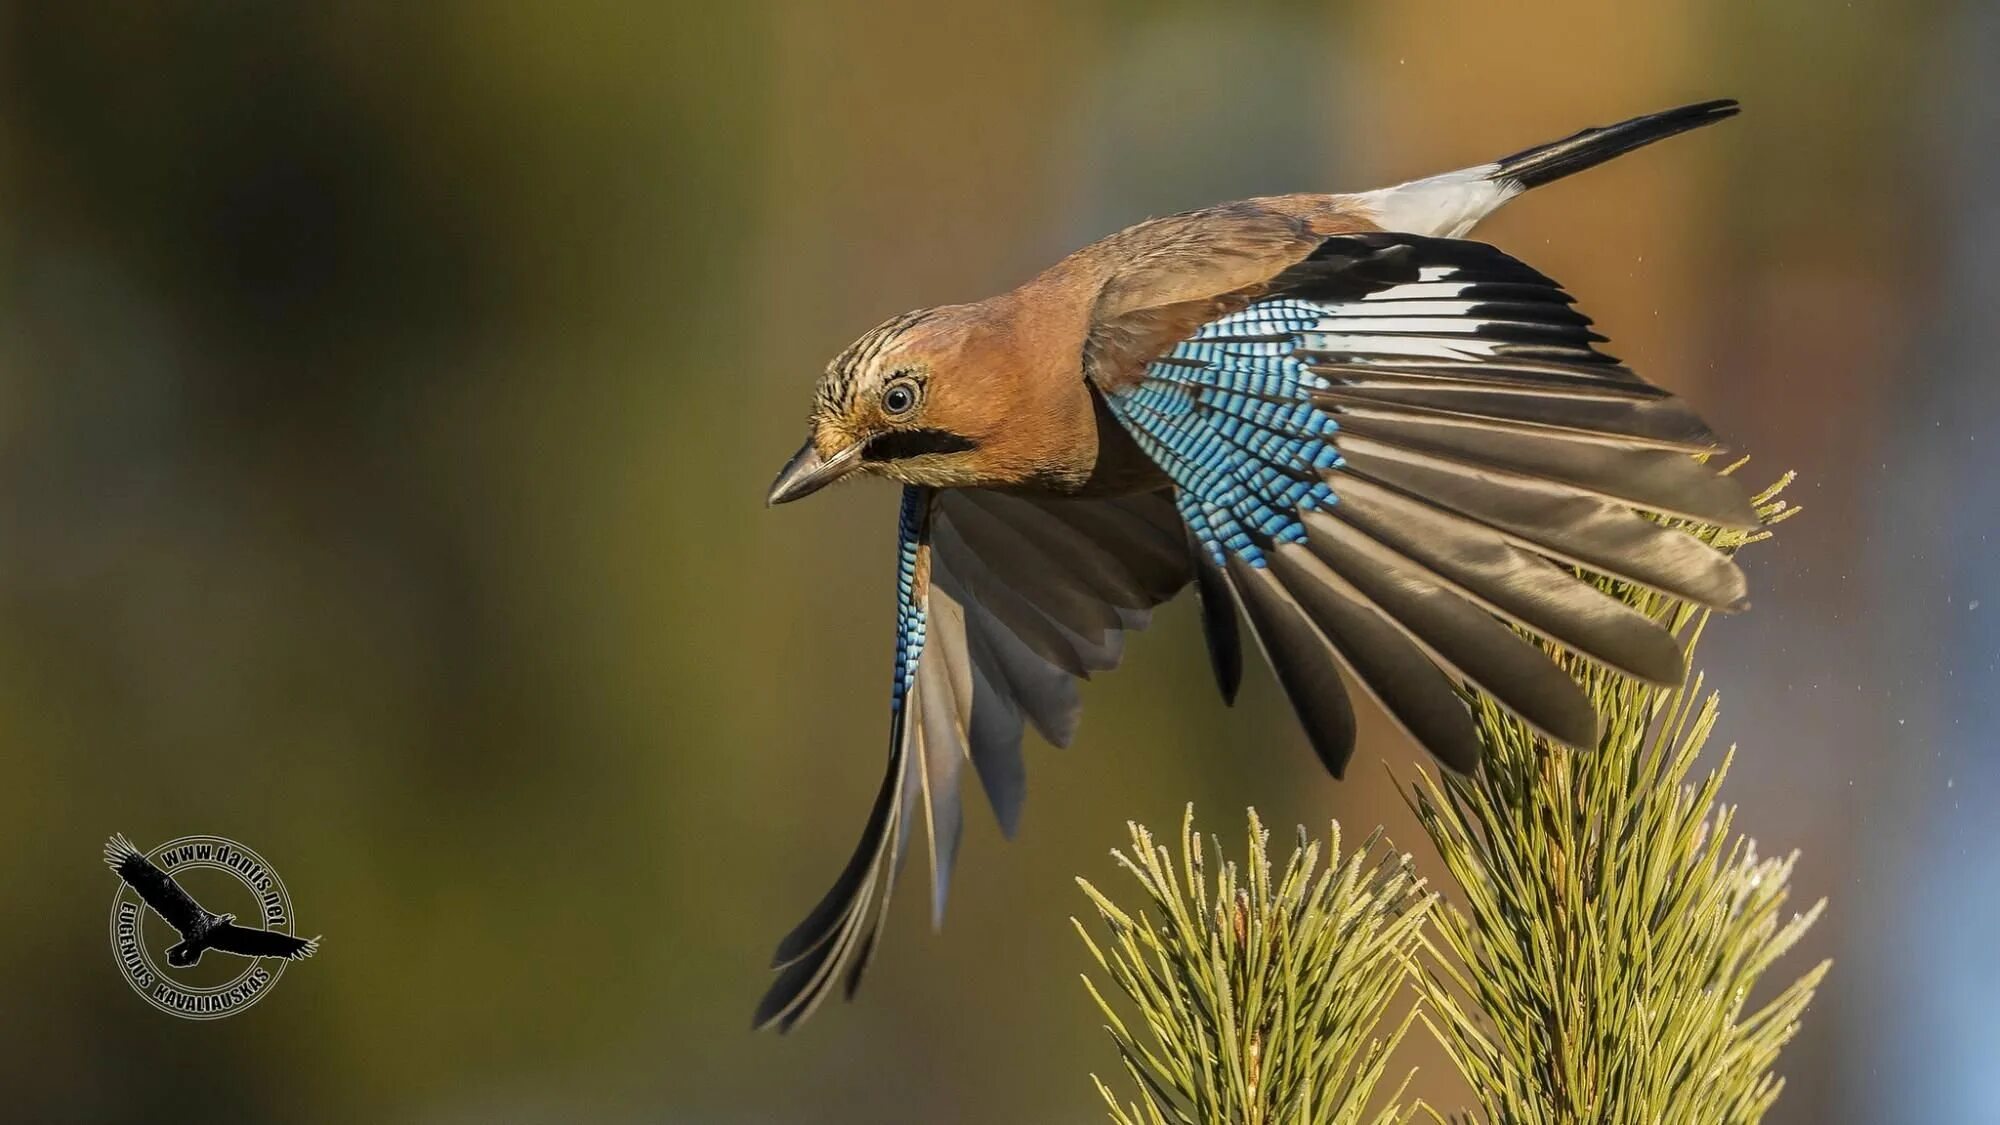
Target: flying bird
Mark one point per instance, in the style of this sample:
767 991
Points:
200 929
1392 449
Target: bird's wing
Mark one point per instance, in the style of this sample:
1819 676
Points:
1401 442
153 885
1003 602
246 941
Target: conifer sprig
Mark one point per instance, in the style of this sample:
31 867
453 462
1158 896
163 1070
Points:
1597 964
1254 998
1598 961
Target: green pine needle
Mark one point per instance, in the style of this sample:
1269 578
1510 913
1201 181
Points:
1599 965
1254 999
1612 925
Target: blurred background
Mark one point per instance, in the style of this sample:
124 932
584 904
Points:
388 395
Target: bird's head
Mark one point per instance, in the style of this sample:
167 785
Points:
905 401
182 955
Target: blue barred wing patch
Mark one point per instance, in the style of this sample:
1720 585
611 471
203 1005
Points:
1228 415
910 600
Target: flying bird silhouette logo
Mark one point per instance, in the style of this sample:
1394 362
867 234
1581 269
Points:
201 929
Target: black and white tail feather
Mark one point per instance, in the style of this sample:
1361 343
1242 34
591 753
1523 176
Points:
1590 147
1451 204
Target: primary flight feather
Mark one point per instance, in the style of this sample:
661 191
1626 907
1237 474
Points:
1389 448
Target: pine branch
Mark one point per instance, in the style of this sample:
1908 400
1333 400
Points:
1612 923
1612 929
1254 999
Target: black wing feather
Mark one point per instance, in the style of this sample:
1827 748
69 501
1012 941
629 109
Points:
1408 684
1005 602
155 887
1302 659
1218 626
1465 557
1469 446
248 941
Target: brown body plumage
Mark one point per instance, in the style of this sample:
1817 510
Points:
1035 358
1386 447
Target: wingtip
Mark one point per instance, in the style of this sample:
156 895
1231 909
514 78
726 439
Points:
118 849
768 1017
788 1002
790 950
1730 510
1010 823
1301 658
1735 596
1454 767
803 939
784 1004
1581 728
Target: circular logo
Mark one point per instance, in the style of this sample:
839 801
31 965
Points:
202 927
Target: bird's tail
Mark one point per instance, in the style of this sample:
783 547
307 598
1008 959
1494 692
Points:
1543 163
1450 205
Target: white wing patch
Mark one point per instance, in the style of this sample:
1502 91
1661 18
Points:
1468 302
1427 317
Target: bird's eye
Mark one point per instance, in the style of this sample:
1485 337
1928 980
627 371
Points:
900 398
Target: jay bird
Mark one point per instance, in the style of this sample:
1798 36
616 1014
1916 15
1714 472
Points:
1393 450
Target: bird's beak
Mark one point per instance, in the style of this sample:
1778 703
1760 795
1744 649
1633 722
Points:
807 472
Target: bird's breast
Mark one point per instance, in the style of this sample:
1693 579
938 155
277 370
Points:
1097 458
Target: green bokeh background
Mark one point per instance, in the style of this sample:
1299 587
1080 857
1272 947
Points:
387 398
